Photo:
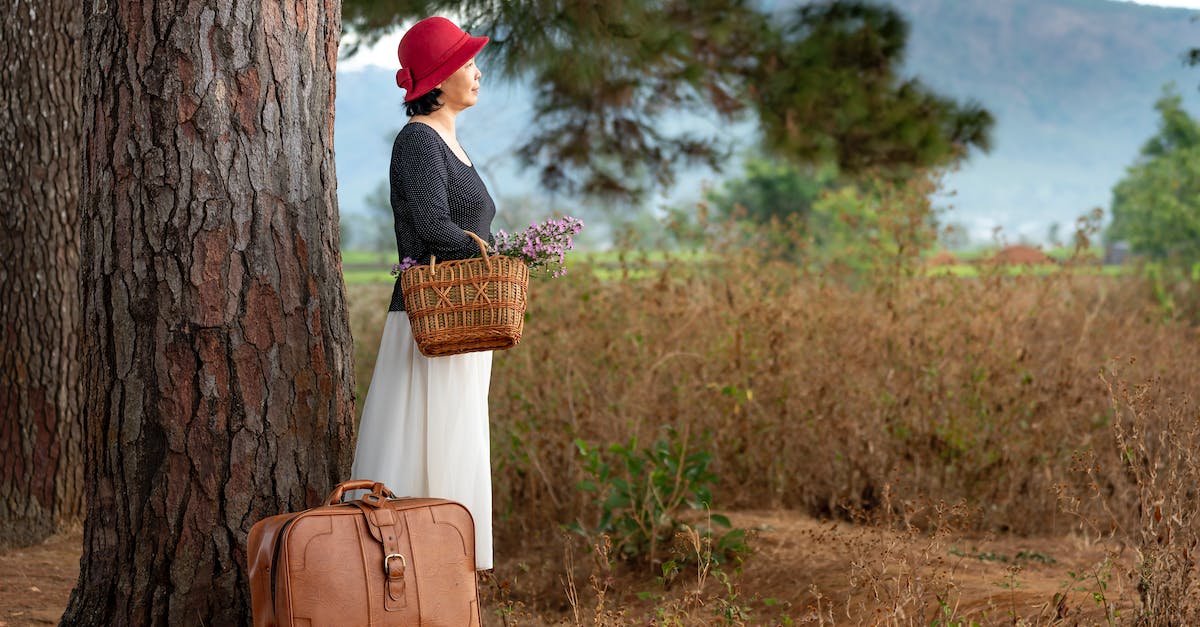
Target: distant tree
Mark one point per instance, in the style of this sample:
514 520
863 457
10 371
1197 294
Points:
829 89
1156 206
881 226
1053 234
376 232
41 434
1192 57
217 361
348 229
612 78
770 188
816 217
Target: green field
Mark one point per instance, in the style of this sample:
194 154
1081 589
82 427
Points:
366 267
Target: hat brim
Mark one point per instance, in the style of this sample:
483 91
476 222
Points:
452 64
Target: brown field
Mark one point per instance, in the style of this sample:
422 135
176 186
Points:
920 415
1004 449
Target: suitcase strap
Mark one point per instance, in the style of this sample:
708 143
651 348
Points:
385 526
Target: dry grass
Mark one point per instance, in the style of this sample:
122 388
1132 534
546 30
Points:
1033 406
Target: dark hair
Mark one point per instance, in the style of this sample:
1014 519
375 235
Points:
425 104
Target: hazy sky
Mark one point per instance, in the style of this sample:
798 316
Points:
1189 4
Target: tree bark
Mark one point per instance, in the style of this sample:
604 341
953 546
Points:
41 435
218 358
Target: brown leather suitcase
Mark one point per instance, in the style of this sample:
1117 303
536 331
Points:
377 561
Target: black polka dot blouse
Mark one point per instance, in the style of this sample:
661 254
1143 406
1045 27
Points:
434 197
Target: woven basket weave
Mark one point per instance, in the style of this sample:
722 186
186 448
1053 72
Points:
466 305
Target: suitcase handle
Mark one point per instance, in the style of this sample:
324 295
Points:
378 490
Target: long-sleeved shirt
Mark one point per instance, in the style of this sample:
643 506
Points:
435 196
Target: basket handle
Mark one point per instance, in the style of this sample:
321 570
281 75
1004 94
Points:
482 250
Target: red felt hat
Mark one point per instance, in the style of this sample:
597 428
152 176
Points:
430 52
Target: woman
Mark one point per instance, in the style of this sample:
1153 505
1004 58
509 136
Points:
424 429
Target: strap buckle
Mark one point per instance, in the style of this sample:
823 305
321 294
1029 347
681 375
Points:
387 565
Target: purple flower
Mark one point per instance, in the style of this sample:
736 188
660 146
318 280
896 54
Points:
542 246
404 264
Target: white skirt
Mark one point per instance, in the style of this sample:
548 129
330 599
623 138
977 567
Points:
424 429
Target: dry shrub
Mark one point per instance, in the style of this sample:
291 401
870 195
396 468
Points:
906 578
1148 484
705 595
873 396
817 395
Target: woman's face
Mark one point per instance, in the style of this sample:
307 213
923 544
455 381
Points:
461 90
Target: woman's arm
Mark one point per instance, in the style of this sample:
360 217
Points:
424 175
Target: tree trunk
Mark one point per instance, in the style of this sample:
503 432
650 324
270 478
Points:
218 358
41 435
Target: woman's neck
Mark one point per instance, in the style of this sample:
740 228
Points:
442 120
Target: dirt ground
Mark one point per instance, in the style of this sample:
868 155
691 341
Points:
36 581
803 571
863 574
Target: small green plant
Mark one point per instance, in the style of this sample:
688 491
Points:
500 593
948 615
1095 584
728 607
697 547
644 492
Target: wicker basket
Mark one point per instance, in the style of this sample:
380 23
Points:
466 305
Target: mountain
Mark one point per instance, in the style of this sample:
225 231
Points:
1072 84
